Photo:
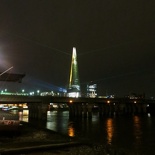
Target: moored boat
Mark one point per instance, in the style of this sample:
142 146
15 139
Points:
8 121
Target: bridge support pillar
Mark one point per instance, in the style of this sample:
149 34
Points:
71 110
79 110
75 110
42 112
144 108
84 109
90 107
100 110
37 111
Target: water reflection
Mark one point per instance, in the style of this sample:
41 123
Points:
110 130
57 121
71 130
23 115
137 130
131 133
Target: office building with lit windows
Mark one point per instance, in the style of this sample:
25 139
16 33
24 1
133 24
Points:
92 90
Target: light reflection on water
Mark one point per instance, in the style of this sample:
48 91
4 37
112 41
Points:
137 130
109 129
23 115
57 121
132 133
71 130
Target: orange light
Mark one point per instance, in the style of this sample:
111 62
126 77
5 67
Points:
108 101
70 101
71 131
109 129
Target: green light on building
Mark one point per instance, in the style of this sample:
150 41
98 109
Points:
74 83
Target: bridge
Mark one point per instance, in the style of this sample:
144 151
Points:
81 107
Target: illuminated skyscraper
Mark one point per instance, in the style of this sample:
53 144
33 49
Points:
74 83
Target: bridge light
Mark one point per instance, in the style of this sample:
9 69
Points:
70 101
31 93
38 91
135 101
149 115
108 101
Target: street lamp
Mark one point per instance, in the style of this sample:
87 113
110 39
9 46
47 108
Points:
38 91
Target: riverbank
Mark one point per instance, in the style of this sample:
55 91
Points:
37 141
28 138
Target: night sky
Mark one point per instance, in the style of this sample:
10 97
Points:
115 42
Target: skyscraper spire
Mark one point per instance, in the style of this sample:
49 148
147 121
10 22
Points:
74 83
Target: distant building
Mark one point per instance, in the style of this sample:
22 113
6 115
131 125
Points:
74 83
107 96
136 96
92 90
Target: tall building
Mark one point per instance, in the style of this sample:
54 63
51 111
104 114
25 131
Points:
74 83
92 90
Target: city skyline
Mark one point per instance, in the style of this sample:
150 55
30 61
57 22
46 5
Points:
114 41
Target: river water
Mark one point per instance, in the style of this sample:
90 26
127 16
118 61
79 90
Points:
133 134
